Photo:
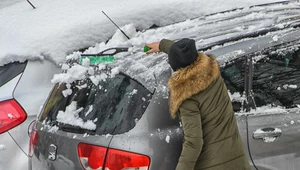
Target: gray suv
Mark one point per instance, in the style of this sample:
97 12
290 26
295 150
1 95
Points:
123 122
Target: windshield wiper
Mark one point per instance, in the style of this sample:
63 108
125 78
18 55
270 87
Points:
73 129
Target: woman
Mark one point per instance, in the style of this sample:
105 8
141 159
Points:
199 97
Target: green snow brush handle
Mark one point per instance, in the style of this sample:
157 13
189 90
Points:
146 48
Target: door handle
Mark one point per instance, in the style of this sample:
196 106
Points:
268 134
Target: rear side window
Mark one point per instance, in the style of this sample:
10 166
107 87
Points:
9 71
276 79
114 105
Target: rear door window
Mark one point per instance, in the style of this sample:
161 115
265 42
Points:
114 105
276 79
9 71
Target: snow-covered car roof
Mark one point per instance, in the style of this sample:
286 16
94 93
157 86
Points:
57 28
226 35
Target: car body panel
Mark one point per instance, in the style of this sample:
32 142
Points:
281 153
7 89
66 142
11 157
31 99
276 83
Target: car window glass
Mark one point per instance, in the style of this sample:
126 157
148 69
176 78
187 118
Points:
115 105
9 71
276 79
233 75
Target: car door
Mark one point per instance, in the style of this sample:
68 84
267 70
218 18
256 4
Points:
274 126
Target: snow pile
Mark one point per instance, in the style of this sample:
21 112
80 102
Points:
2 147
56 28
71 117
268 109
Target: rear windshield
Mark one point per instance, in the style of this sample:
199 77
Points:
113 106
9 71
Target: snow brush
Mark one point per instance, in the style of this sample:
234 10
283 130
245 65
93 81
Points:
106 56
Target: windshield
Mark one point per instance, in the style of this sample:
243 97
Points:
111 107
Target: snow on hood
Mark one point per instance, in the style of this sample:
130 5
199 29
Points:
56 28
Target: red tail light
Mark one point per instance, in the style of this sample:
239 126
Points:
121 160
34 136
11 115
93 157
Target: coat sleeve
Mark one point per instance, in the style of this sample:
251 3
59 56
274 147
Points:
164 45
193 138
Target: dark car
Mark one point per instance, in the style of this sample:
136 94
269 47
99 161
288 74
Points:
122 121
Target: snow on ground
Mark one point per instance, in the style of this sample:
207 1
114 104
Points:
56 28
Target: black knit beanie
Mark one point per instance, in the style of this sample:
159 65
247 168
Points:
182 53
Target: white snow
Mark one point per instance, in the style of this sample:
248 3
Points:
134 91
70 116
275 38
67 92
268 109
77 72
2 147
10 116
236 97
89 111
292 86
168 139
57 28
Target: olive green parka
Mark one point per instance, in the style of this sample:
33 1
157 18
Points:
200 98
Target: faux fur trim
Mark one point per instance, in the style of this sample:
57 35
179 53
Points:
191 80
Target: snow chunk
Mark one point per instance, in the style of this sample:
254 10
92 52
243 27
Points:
293 86
89 111
86 62
114 71
94 80
67 92
65 66
91 71
76 72
10 116
71 117
286 86
236 97
168 139
268 109
269 139
275 38
134 91
107 135
2 147
53 129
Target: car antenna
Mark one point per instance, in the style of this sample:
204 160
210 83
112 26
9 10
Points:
31 4
116 25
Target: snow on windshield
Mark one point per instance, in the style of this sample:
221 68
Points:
56 28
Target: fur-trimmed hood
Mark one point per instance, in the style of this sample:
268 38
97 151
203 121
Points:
191 80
